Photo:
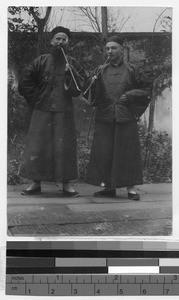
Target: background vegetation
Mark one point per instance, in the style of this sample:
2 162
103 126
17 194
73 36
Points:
151 51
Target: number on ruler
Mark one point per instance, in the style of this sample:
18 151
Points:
174 277
98 291
121 292
167 291
75 291
29 291
115 277
52 291
144 291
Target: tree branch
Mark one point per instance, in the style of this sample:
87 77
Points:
41 20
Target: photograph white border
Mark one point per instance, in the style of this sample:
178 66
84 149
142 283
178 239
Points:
3 125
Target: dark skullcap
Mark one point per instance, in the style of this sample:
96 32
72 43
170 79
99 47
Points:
60 29
115 39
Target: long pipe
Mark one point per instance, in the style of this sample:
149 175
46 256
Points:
77 87
95 77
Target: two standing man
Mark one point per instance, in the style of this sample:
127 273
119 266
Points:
50 151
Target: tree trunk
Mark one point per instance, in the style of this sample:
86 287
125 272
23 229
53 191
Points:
104 21
41 24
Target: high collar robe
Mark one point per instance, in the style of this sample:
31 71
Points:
50 149
115 159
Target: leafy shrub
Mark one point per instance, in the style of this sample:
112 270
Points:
156 148
18 112
12 176
83 151
18 122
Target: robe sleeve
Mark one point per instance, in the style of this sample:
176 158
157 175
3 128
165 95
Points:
138 98
142 87
28 83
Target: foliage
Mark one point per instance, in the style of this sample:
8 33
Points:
154 56
163 21
18 122
13 177
88 51
156 151
17 23
20 44
27 48
22 49
160 68
18 112
83 154
166 24
15 149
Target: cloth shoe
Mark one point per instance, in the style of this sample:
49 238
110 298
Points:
133 196
35 191
70 194
105 193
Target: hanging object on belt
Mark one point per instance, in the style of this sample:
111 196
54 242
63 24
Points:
139 106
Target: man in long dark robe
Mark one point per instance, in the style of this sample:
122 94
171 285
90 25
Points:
48 87
115 159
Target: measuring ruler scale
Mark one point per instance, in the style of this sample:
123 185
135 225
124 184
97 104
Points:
91 276
92 285
89 270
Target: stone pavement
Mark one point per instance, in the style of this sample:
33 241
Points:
52 214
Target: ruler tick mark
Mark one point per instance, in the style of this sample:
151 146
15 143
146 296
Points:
162 284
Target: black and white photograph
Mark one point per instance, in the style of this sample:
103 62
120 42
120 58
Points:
89 141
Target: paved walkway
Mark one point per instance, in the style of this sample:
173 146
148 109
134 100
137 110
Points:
52 214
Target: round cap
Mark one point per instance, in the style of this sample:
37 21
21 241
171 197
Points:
115 39
60 29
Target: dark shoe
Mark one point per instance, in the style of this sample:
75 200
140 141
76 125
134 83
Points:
70 194
105 193
32 192
135 197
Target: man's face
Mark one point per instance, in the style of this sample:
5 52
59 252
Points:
60 39
114 51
